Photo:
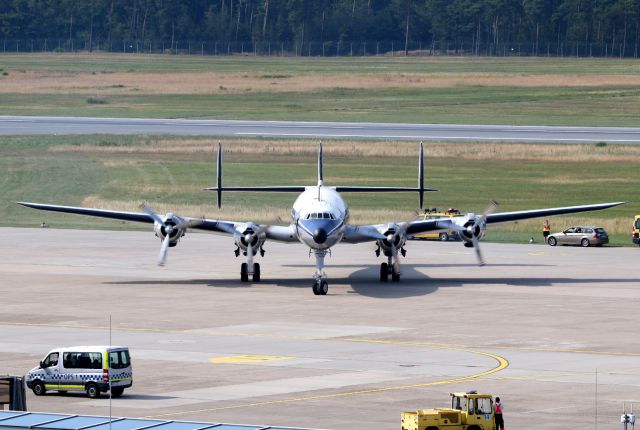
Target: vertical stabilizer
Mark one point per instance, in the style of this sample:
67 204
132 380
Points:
320 165
421 177
219 175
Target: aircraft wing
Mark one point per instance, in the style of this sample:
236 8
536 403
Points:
369 233
279 233
537 213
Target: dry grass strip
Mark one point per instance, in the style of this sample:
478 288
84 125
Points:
359 149
41 82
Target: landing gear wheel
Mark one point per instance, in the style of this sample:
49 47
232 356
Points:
395 276
444 237
93 391
384 272
585 243
117 391
244 276
256 272
38 388
320 287
552 241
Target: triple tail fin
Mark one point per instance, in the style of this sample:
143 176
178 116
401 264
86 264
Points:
219 188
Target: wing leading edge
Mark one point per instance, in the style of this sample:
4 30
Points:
207 224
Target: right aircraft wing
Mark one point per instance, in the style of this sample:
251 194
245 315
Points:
538 213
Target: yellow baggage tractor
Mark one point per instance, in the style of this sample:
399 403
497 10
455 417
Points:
468 411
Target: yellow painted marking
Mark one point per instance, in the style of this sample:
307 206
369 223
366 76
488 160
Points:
248 358
502 364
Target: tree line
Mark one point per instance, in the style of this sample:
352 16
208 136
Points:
451 25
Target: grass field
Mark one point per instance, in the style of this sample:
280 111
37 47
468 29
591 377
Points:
550 91
117 172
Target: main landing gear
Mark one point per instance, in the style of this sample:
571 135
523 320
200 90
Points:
249 269
387 269
392 266
245 273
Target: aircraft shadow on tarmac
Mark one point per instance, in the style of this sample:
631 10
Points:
413 283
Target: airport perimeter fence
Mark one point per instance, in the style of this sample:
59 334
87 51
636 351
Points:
325 49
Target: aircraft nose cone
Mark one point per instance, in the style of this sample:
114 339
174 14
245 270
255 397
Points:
320 235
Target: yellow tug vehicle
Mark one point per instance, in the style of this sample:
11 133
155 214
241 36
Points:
468 411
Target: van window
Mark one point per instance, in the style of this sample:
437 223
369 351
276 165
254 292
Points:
82 360
51 360
119 359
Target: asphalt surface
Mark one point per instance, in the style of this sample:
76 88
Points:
16 125
537 326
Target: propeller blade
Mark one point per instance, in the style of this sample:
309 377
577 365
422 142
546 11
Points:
491 207
163 250
476 246
147 209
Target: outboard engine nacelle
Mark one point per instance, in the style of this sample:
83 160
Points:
472 226
170 228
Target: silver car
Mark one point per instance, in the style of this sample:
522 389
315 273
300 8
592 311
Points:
583 236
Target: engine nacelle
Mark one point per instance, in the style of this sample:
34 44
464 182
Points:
471 225
170 228
395 238
249 235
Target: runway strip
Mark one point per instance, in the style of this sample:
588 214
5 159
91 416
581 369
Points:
29 125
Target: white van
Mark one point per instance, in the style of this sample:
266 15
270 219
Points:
83 368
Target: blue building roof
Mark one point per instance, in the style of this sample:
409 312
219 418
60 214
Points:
9 420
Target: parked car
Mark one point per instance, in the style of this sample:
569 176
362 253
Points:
583 236
435 214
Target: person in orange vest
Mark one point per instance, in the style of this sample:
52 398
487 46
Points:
546 229
497 413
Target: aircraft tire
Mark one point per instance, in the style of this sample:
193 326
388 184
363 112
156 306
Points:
256 272
395 277
323 287
384 272
244 276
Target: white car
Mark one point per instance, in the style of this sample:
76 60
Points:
90 369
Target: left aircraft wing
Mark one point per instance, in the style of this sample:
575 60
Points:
279 233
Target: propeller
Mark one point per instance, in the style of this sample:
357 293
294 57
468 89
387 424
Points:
491 207
168 228
470 229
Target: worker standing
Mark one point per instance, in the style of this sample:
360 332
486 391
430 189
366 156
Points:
546 229
497 413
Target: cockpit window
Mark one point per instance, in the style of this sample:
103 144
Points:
320 215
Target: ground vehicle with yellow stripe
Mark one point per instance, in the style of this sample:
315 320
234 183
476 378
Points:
468 411
433 213
92 369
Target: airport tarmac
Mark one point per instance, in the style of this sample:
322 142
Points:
552 331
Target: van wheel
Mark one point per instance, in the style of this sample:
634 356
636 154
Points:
93 391
38 388
117 391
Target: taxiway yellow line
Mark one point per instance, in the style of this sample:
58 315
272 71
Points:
502 364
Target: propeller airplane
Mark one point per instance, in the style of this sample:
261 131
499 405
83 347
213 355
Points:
320 220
